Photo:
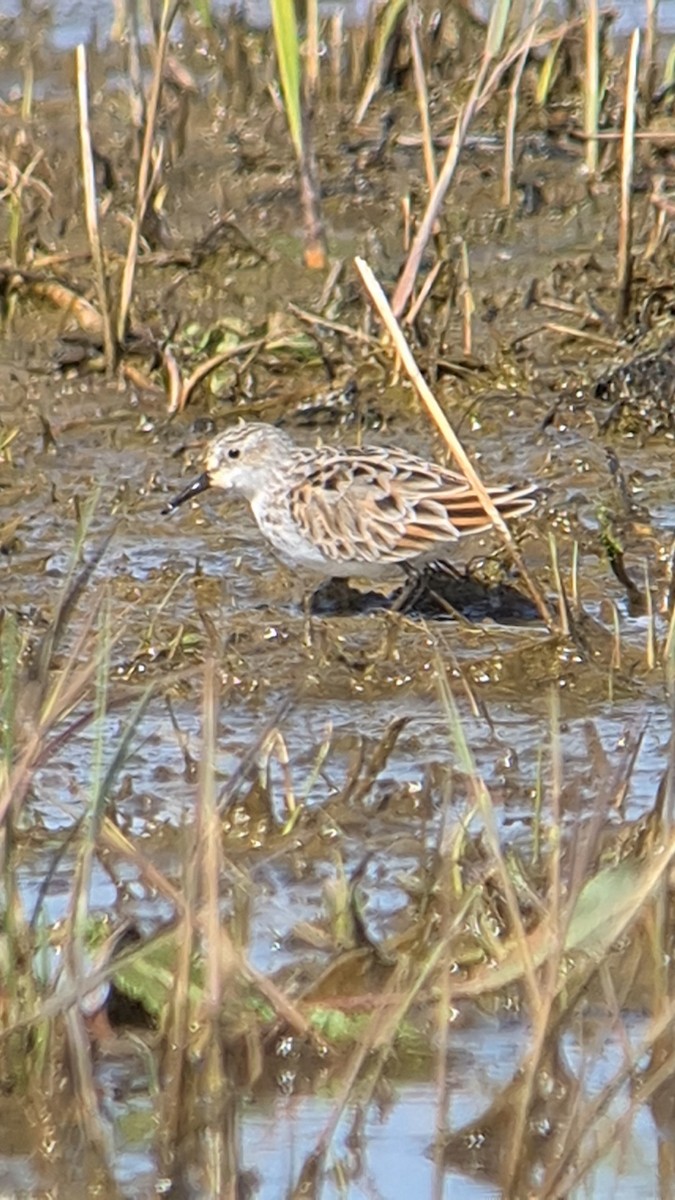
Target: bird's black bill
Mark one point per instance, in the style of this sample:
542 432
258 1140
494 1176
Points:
193 489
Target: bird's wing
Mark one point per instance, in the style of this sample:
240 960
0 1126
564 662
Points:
381 505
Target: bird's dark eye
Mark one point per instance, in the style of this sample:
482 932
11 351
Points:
233 453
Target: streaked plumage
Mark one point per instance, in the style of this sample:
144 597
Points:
341 512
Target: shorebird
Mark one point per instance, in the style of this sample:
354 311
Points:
355 511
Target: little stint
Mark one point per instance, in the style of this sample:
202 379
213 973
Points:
357 511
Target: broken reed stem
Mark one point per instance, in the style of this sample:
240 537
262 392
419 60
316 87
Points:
91 207
422 97
592 85
437 415
625 258
316 250
143 186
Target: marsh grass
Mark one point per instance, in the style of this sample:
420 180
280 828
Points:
570 915
505 49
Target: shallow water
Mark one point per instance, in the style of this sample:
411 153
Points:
71 20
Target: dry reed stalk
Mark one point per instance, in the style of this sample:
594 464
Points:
220 963
595 1134
336 41
312 53
482 801
385 23
584 335
96 1129
466 296
137 103
380 1032
592 85
448 434
91 208
563 612
406 213
358 41
465 116
574 586
346 331
416 306
422 96
208 844
660 205
181 390
27 91
146 170
660 137
76 966
444 1006
512 112
513 53
650 648
483 88
42 708
669 645
624 272
554 878
563 898
176 1025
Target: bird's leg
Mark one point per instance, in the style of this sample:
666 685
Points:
411 590
419 579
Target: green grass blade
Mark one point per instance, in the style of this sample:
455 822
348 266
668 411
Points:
496 29
288 58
